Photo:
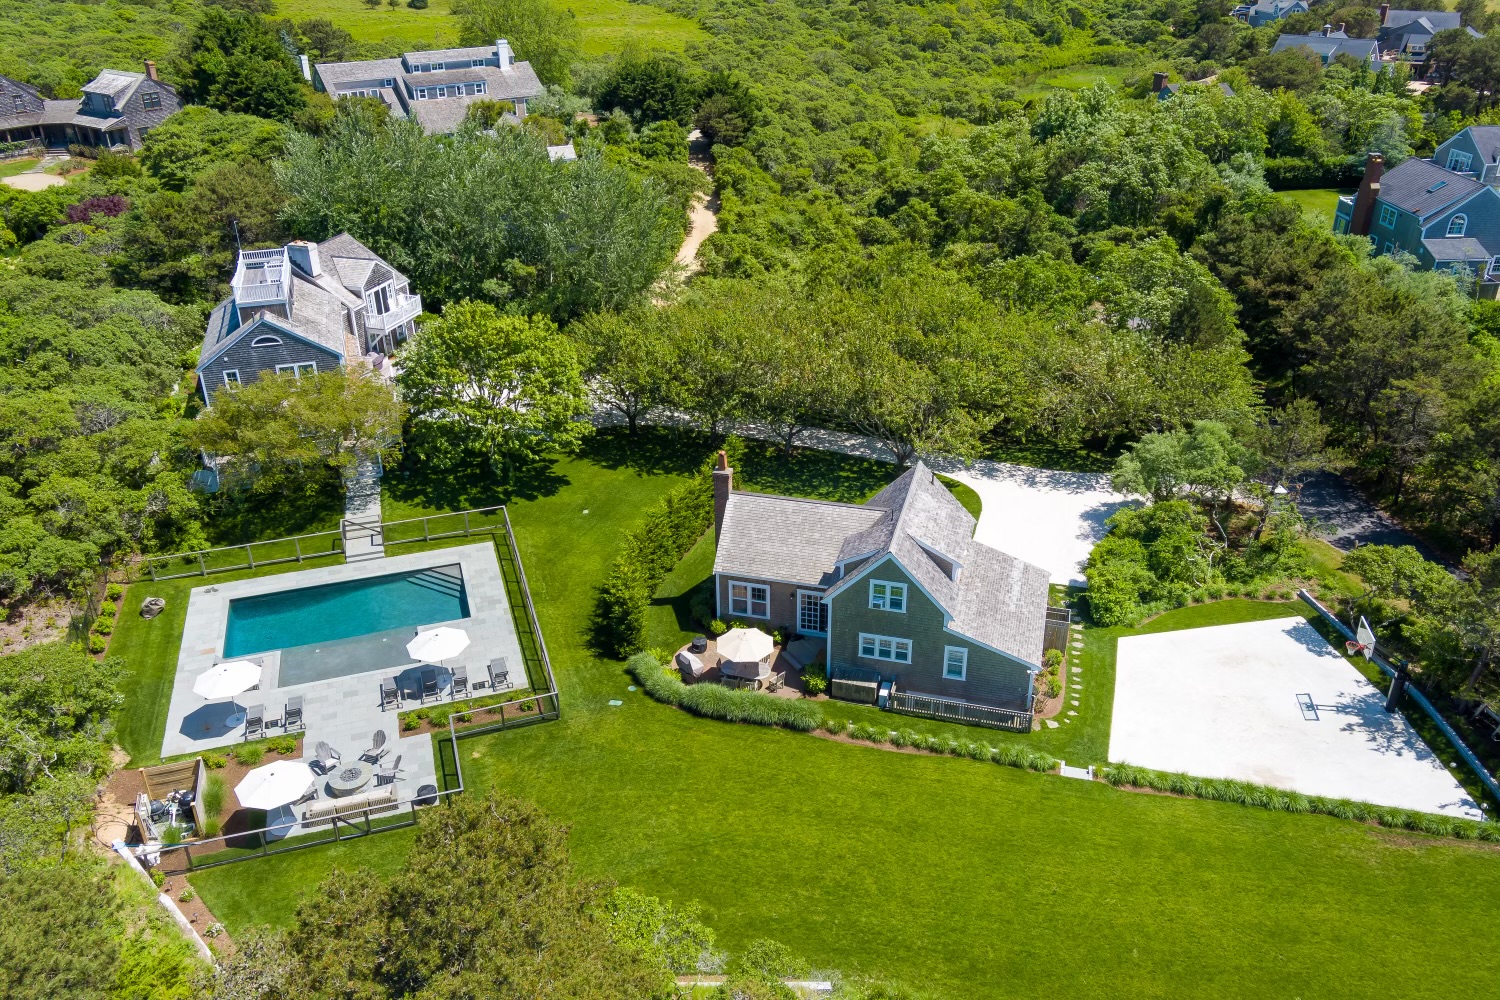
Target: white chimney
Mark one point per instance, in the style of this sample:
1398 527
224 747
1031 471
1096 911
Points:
505 57
306 68
304 255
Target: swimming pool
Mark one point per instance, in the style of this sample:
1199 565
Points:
333 611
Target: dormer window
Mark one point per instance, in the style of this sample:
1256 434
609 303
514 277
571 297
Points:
1458 225
885 596
18 101
1459 161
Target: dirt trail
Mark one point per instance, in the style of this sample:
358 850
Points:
703 219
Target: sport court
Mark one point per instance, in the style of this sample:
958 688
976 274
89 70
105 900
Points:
1273 703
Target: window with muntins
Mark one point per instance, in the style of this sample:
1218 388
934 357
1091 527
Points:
231 376
380 300
151 101
887 596
1457 225
884 647
812 613
751 599
1387 216
298 369
18 101
955 663
1459 160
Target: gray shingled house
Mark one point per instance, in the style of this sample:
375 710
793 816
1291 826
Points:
896 587
304 308
1406 34
116 111
435 87
1330 43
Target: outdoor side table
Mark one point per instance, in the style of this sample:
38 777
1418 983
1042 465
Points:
347 779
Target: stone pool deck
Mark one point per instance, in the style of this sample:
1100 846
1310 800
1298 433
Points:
342 711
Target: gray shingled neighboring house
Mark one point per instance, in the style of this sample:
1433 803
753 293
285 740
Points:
895 586
305 308
116 111
1407 33
1330 43
1266 11
435 87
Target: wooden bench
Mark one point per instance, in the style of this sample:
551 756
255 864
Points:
327 810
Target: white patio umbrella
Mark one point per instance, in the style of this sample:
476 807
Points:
436 645
227 679
274 785
748 646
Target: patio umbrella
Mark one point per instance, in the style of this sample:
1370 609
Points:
274 785
745 645
227 679
438 644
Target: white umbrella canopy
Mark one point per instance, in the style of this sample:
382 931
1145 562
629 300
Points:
745 645
438 644
227 679
274 785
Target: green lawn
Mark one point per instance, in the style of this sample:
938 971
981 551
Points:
12 167
1317 202
967 878
607 25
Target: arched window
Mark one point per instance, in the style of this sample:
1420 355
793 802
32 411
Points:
265 342
1457 225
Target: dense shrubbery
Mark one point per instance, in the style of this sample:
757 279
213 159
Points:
1275 799
1008 754
717 702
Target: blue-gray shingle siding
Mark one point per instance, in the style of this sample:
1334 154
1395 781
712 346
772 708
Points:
251 362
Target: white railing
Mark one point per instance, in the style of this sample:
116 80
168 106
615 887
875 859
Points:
264 291
403 308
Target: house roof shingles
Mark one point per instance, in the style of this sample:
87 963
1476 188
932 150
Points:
1332 44
770 537
1421 187
1457 248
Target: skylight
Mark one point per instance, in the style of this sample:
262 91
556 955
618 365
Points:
1439 184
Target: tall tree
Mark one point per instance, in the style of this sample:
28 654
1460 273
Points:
234 61
541 32
630 365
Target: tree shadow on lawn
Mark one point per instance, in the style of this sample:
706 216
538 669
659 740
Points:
300 507
470 485
651 451
808 472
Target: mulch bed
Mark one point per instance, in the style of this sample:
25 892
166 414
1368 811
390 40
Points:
198 914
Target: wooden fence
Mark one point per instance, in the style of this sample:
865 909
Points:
1055 635
933 706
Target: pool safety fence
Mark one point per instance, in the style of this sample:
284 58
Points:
326 544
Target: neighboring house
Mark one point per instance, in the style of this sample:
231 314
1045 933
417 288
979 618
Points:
1405 34
1165 90
896 587
1330 43
435 87
116 111
1267 11
305 308
1445 212
563 153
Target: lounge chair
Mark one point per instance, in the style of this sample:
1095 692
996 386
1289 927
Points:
255 721
292 719
327 759
499 675
388 774
429 685
460 683
377 750
390 694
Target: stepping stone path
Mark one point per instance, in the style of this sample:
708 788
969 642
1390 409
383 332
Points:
1051 723
1071 712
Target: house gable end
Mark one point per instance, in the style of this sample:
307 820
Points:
254 327
1482 212
848 583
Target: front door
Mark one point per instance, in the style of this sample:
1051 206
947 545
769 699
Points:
812 613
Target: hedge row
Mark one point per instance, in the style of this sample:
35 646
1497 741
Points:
651 549
714 701
1009 754
1297 173
1277 800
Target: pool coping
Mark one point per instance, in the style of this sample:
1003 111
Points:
490 626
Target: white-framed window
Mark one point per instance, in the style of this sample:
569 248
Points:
18 101
1458 225
955 663
388 83
476 62
885 596
421 93
1390 248
231 376
265 342
812 613
437 67
884 647
299 368
151 100
750 599
1387 216
380 300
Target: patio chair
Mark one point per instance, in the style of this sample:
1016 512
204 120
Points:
292 718
499 675
255 721
460 683
377 750
384 775
390 694
429 685
327 759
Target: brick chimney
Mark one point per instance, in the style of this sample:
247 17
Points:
1158 81
723 486
1364 200
1385 12
151 70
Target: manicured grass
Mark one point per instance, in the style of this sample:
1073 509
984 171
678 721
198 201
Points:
607 25
10 168
1316 202
966 878
965 495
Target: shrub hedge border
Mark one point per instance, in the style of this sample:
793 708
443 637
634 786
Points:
714 701
1278 800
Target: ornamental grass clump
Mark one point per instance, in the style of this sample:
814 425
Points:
715 702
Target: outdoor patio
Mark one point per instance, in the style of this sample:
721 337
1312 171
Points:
783 680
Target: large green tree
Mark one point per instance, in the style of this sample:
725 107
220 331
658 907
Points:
539 31
233 60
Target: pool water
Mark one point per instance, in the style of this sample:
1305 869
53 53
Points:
336 611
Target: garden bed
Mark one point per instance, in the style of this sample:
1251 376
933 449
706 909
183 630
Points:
431 718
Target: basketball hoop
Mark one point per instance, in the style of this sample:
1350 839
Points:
1364 642
1356 648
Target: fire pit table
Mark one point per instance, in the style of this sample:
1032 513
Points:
348 779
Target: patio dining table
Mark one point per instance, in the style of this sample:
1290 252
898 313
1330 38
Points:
348 779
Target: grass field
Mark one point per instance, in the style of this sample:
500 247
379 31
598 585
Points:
966 878
607 25
1317 202
12 167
